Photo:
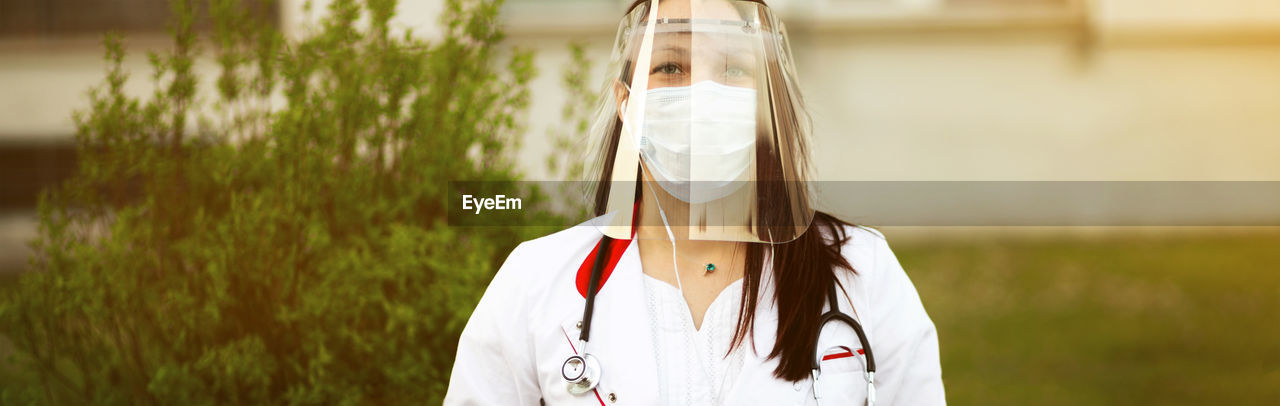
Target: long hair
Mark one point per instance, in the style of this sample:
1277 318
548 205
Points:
804 267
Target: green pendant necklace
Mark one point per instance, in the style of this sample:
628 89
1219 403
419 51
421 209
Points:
710 267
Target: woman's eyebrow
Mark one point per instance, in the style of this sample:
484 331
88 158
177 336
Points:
677 49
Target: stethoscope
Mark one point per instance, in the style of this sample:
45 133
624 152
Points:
582 371
834 314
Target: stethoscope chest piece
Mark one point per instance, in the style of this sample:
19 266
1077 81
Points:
581 373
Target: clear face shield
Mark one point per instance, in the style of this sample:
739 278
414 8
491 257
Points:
701 128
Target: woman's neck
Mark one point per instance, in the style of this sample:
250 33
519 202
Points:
658 236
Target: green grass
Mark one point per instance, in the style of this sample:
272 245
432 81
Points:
1154 320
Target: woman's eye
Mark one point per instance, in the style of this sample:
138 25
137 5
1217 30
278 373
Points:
667 69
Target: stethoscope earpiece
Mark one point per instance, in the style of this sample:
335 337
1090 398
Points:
581 373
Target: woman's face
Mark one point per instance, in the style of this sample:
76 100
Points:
682 58
685 57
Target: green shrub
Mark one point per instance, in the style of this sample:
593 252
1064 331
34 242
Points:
283 240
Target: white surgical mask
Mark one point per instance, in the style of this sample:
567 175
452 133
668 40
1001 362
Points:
704 133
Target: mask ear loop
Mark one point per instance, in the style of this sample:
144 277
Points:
670 236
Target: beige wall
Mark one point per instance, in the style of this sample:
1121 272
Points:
1029 105
1229 13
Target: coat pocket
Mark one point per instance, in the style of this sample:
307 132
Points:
843 378
843 388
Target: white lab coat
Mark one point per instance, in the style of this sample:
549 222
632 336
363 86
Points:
524 327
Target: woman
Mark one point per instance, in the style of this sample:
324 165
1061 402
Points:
707 277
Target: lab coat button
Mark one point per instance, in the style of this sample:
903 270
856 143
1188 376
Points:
579 324
796 385
613 398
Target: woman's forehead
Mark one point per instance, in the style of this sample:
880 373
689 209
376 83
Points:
713 9
681 42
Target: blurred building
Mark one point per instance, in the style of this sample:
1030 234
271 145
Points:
1003 89
898 89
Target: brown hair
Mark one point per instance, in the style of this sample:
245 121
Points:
805 266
